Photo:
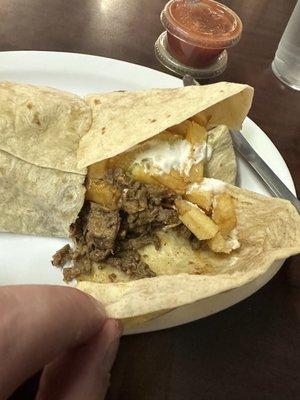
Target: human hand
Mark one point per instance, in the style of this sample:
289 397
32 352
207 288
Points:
62 331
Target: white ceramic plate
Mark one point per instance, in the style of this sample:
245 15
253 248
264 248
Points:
25 259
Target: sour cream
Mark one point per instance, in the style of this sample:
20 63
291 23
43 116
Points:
179 155
232 240
215 186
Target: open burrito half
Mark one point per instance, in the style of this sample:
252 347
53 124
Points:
265 230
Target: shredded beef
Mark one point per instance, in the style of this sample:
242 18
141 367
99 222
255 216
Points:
101 231
78 227
104 236
139 242
134 199
130 262
62 256
137 196
83 264
71 273
152 218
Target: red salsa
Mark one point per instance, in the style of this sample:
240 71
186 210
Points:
199 30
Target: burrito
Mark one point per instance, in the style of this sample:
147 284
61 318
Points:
143 183
44 159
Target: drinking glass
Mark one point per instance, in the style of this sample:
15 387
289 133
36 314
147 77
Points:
286 64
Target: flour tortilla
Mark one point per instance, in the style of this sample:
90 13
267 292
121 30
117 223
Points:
269 229
121 120
41 187
37 200
42 125
222 163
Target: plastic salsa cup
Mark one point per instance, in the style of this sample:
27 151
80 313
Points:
199 30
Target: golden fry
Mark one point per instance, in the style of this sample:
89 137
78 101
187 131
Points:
139 173
101 192
196 220
180 129
173 181
196 134
122 161
203 199
98 169
224 213
218 244
196 173
202 118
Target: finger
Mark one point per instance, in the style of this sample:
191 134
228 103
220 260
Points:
82 373
39 322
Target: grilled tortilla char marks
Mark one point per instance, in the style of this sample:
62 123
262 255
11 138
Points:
112 237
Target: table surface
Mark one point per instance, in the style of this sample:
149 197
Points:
251 350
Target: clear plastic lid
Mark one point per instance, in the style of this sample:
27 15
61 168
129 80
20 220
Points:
166 59
204 23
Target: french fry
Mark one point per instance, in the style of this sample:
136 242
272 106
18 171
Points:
218 244
173 181
223 244
183 206
180 129
196 134
97 170
167 135
101 192
123 161
139 173
196 220
223 213
203 199
196 173
191 130
202 118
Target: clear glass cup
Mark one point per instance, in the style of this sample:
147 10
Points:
286 64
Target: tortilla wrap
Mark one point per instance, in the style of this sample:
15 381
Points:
42 126
41 187
222 163
269 229
38 200
48 137
121 120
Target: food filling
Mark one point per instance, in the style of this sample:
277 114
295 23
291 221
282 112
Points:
112 233
132 197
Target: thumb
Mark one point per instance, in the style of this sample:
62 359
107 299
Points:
84 372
